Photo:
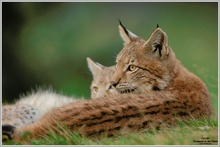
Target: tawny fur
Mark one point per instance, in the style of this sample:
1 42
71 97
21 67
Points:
170 93
31 107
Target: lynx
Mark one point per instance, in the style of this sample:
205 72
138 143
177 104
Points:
155 90
29 108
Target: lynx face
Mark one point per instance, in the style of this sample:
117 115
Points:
143 66
101 86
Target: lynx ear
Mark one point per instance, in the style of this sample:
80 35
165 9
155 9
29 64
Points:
94 67
126 35
158 43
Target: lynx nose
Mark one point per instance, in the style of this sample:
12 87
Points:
114 84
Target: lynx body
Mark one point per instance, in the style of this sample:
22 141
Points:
155 90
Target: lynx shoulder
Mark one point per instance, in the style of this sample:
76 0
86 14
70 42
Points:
155 89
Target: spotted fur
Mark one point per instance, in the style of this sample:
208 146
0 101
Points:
30 108
164 92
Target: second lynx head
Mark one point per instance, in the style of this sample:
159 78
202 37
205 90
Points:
101 86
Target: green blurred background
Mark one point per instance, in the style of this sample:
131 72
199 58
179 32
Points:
46 43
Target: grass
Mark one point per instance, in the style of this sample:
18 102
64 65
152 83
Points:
200 132
195 44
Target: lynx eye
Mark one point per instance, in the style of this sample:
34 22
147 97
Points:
132 67
95 89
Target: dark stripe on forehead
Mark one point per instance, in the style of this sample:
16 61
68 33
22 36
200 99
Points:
126 54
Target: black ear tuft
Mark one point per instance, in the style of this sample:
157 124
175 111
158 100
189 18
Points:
157 25
125 30
7 132
119 22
